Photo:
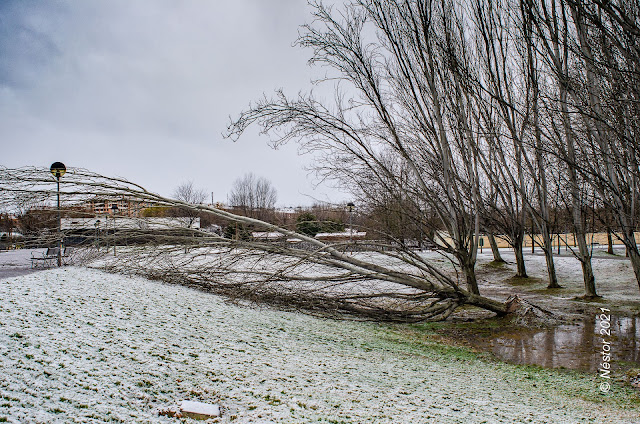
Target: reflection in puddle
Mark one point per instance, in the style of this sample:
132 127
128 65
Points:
576 346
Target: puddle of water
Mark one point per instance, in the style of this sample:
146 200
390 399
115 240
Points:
576 346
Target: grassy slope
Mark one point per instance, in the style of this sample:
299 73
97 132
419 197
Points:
78 344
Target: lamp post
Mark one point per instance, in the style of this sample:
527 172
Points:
58 170
97 225
114 208
350 208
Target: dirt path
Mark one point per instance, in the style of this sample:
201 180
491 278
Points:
14 263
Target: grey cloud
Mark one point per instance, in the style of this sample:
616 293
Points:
130 87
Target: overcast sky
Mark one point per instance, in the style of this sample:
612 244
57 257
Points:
144 89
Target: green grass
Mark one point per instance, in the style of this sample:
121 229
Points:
496 265
524 281
479 326
422 339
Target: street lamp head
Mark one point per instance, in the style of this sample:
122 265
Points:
114 208
58 169
351 206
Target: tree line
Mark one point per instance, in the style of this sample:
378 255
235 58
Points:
476 116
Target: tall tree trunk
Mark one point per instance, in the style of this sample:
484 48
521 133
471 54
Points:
555 30
585 260
584 255
547 247
610 242
494 249
541 183
632 252
518 242
469 271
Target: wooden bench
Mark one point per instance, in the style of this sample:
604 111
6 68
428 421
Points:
66 253
47 259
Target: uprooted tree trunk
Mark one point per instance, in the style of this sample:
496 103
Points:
388 282
527 314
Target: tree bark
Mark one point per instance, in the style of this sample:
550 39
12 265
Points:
494 249
547 247
609 242
488 304
632 252
469 271
585 260
521 270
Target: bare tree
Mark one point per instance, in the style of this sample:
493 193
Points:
462 111
606 94
503 126
457 118
549 34
589 56
188 193
253 196
316 275
411 111
514 162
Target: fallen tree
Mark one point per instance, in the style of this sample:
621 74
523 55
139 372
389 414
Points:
388 282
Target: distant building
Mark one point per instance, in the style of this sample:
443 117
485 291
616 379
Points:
126 206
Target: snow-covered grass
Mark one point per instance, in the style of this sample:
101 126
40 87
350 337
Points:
80 345
615 280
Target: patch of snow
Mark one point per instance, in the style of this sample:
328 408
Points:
266 235
615 279
199 408
342 235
